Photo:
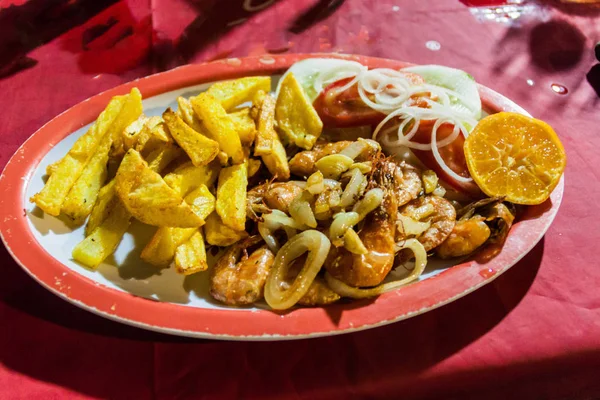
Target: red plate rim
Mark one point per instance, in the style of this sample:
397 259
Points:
170 318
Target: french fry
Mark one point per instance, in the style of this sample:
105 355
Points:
153 136
188 177
202 201
161 248
148 198
132 109
65 173
219 234
81 198
105 238
277 162
52 167
296 117
231 196
220 125
268 145
265 135
132 131
235 92
244 125
188 115
107 199
253 166
190 257
198 147
110 218
160 158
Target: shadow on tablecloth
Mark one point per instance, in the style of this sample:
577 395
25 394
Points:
410 346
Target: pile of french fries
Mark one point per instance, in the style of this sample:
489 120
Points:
185 173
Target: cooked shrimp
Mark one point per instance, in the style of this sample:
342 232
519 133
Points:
377 234
437 212
276 196
319 292
490 225
303 163
466 236
236 281
406 178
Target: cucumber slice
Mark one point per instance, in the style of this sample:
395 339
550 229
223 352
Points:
467 96
306 72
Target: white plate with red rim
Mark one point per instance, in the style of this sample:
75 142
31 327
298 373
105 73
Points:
127 290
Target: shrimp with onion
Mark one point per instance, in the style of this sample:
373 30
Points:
407 183
240 281
304 163
377 235
318 293
272 196
438 215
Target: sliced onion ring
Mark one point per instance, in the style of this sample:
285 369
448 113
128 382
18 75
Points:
356 293
317 245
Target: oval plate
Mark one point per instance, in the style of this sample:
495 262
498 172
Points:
42 244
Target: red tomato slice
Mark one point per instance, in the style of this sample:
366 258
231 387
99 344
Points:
452 154
345 108
341 109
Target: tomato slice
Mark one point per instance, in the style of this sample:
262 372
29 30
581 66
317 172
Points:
452 154
344 108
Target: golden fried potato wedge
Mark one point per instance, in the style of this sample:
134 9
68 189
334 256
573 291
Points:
160 250
244 125
132 131
153 136
148 198
52 167
277 162
265 135
219 124
268 145
107 196
69 168
231 196
219 234
110 218
132 109
190 257
107 199
233 93
253 166
104 239
188 177
186 112
202 201
160 158
81 198
198 147
296 117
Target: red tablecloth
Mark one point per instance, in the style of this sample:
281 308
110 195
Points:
533 333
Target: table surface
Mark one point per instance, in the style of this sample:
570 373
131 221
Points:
533 333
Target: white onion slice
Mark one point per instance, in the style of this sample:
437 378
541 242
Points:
438 158
317 245
356 293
